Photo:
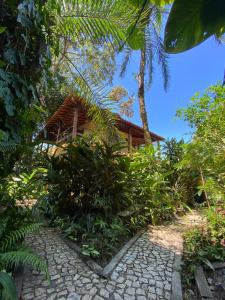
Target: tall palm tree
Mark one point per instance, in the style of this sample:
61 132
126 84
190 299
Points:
153 49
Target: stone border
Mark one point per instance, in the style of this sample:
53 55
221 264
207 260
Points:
202 285
177 293
108 269
201 282
89 262
218 265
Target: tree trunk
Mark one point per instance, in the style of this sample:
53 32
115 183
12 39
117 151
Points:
141 98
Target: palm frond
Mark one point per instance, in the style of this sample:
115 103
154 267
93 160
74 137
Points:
154 45
99 21
7 287
99 106
15 236
161 55
149 56
125 61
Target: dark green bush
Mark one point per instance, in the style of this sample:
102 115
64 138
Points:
85 178
150 194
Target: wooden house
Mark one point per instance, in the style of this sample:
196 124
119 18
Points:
71 119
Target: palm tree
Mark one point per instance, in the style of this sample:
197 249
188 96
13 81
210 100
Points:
152 50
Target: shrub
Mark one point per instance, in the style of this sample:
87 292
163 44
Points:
149 193
86 178
207 244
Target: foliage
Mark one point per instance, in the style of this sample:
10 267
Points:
153 44
95 62
152 51
24 58
206 115
205 155
98 235
183 181
85 178
192 22
31 33
125 102
206 244
12 251
149 193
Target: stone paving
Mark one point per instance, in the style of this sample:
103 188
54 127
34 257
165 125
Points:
145 271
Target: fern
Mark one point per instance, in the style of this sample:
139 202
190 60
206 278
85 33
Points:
7 287
15 236
3 225
13 259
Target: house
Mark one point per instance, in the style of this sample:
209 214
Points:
71 119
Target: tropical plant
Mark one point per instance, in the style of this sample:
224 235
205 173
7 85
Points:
86 177
149 193
12 251
206 244
31 33
192 22
205 153
152 50
183 180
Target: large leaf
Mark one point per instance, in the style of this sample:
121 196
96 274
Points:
192 22
7 287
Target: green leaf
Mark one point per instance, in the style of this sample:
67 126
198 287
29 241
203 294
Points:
8 287
2 29
136 38
192 22
2 64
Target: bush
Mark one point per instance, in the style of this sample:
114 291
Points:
207 244
97 235
150 194
85 178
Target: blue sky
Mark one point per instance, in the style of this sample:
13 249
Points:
190 72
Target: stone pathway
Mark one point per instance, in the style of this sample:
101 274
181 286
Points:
147 270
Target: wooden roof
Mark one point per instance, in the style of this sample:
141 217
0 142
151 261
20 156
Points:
64 117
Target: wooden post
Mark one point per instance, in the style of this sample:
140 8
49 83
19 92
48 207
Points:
129 141
75 121
58 132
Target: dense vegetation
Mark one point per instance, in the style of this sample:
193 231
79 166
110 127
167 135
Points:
205 153
96 195
32 33
100 197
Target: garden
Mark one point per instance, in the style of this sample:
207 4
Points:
89 190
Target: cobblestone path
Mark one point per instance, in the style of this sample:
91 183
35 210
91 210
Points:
145 272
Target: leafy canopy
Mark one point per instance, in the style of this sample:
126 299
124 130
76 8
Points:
206 114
